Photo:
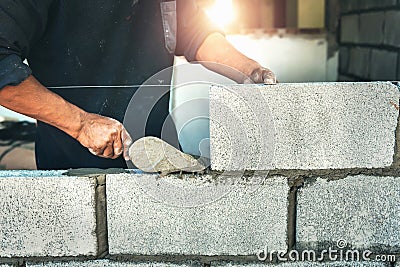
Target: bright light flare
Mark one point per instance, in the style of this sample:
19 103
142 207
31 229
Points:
221 13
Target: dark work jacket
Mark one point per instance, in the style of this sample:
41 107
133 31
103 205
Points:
95 53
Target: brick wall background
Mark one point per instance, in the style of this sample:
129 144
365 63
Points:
369 40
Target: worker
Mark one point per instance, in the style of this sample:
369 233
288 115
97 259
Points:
82 56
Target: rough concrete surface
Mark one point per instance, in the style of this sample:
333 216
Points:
109 263
46 216
363 211
303 264
303 126
148 215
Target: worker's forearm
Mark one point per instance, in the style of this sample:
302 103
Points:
230 62
216 48
104 137
34 100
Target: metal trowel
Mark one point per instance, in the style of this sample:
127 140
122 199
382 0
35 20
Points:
151 154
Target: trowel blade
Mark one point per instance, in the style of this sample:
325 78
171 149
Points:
151 154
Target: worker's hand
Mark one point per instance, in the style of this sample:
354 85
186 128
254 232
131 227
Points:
262 75
104 137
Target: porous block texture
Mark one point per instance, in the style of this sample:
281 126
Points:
148 215
303 126
47 216
361 212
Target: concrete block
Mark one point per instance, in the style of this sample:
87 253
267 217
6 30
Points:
303 126
372 28
383 65
46 216
359 212
392 34
304 264
350 28
202 215
360 59
110 263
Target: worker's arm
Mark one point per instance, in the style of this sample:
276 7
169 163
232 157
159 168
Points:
104 137
230 62
198 39
22 22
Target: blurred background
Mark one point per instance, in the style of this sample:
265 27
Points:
300 40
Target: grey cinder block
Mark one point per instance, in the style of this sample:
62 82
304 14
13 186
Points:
362 211
148 215
47 216
303 126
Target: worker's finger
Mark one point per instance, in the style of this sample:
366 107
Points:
117 145
96 152
268 77
92 151
126 142
108 151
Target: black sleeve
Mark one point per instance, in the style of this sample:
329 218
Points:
193 26
21 21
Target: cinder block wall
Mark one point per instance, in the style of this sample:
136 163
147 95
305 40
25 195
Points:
296 168
369 40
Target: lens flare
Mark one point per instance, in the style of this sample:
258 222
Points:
221 13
